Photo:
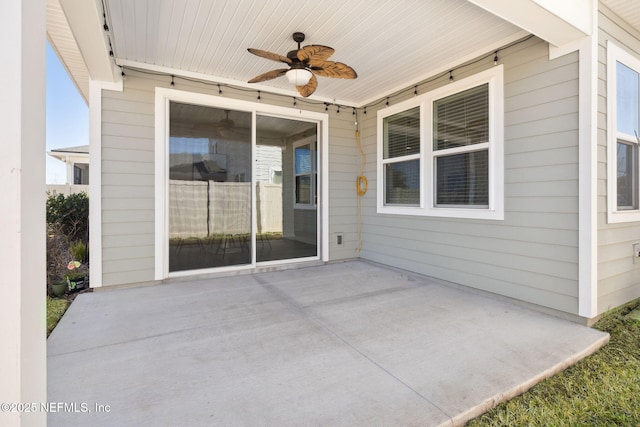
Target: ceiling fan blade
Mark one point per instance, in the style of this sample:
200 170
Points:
270 55
336 70
315 53
269 75
309 88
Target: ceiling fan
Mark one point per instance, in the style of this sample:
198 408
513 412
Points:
225 128
304 64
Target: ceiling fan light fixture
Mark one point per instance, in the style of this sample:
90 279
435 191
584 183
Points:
298 76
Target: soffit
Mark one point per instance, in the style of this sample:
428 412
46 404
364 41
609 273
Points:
390 44
628 10
63 42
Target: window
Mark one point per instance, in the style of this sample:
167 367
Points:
440 153
461 148
401 159
305 174
623 103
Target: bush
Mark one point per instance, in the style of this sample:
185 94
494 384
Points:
78 250
71 214
67 234
58 255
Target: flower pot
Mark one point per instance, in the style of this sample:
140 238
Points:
58 289
77 284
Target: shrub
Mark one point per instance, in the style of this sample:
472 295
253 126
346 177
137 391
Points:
58 254
78 250
70 213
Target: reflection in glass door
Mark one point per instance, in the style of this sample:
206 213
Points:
286 189
209 187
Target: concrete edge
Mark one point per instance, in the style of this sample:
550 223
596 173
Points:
475 411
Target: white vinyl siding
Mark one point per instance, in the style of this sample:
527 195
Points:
618 229
127 186
532 255
128 175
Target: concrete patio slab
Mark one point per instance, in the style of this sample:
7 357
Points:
343 344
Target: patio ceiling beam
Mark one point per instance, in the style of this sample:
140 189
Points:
86 23
557 22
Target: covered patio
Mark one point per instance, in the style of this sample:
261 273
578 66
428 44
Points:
351 343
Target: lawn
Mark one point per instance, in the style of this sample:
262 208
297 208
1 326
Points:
55 309
600 390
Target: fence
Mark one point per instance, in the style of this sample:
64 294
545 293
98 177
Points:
208 208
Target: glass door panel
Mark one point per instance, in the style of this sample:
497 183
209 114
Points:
210 174
286 188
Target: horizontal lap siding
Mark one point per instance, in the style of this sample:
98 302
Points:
618 276
128 174
127 186
532 254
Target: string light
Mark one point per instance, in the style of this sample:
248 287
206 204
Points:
311 102
386 100
295 102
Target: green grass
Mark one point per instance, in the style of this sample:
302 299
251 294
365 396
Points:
55 309
600 390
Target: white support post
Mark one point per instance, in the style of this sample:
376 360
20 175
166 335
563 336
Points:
22 211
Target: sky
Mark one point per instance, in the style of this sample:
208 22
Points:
67 116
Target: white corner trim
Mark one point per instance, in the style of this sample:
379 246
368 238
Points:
588 178
161 152
95 177
323 140
558 51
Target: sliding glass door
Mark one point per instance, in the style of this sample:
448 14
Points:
286 189
209 187
218 182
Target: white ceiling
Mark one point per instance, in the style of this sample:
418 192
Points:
629 10
391 44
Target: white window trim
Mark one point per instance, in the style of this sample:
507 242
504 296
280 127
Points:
163 97
495 211
616 54
314 153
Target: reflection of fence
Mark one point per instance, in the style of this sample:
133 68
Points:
207 208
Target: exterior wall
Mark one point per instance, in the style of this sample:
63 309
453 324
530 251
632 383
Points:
618 276
128 176
532 254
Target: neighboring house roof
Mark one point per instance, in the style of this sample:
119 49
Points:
79 149
80 152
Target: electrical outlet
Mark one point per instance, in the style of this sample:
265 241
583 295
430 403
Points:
339 239
636 253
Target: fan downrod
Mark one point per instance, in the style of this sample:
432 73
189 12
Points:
298 37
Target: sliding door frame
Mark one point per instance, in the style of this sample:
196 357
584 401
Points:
163 97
